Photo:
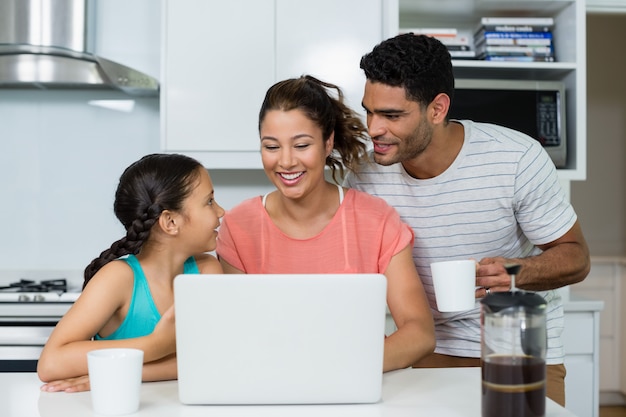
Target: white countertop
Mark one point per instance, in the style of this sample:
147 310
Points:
450 392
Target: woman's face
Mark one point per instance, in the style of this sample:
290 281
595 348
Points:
293 152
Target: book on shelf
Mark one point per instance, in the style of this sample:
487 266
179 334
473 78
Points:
516 21
458 48
507 38
444 32
514 24
447 36
515 48
515 42
515 35
459 43
499 58
469 54
541 51
456 40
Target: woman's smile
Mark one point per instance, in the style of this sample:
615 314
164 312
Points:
290 178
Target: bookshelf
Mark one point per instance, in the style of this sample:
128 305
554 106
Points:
569 42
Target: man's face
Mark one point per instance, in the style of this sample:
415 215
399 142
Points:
399 127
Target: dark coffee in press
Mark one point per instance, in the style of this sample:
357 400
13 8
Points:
513 386
514 344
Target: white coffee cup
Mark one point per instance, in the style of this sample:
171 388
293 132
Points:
115 379
455 284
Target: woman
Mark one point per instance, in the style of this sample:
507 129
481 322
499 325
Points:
310 225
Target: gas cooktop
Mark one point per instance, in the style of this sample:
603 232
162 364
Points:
26 285
50 290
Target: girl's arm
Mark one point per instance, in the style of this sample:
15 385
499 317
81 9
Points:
415 337
104 302
161 370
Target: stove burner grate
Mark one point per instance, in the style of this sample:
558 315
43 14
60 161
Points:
25 285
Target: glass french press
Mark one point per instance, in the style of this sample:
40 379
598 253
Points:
514 343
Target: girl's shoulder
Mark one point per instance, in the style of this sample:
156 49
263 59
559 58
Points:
115 274
115 279
208 264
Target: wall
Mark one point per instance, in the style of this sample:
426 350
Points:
601 200
59 164
60 157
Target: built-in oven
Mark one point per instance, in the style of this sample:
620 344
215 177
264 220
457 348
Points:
29 311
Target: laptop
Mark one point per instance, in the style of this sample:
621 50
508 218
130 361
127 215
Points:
280 339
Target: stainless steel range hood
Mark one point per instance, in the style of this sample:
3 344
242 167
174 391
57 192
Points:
44 45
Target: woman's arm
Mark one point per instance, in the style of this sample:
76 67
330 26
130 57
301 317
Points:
229 269
415 337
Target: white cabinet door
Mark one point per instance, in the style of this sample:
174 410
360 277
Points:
219 59
581 344
326 39
218 62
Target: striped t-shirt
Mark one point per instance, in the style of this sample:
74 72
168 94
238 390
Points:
500 197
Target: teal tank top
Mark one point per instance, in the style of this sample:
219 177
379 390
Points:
142 313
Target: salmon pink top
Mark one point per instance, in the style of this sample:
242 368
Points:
362 237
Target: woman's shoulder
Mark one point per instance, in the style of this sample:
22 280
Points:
367 200
246 207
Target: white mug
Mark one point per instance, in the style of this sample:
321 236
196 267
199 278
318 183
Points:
455 284
115 379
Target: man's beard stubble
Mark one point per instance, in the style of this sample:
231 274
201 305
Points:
410 147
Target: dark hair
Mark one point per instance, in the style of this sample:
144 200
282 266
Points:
330 113
148 186
420 64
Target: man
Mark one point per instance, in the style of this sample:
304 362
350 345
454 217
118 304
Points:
470 191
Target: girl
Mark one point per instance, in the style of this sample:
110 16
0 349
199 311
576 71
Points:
166 204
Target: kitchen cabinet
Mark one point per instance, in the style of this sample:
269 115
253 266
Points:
606 284
581 341
327 39
570 48
219 59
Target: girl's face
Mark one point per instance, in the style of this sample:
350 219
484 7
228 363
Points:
293 152
202 216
